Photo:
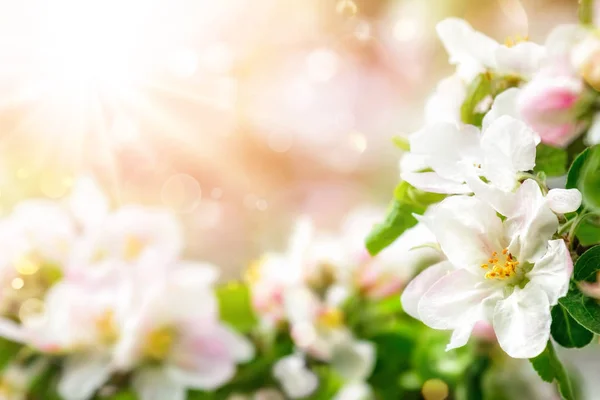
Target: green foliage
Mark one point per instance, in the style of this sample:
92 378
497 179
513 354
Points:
549 368
575 170
550 160
478 90
407 201
401 142
588 231
566 331
582 309
235 306
589 179
587 265
8 351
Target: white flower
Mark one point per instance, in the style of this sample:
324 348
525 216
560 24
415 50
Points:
445 103
175 339
473 52
506 273
455 153
354 391
295 378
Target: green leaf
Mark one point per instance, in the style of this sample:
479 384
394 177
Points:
8 351
478 90
235 306
566 331
575 170
587 265
401 142
550 160
588 232
408 201
124 395
589 179
583 309
549 368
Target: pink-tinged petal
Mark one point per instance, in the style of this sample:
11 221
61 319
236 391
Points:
155 384
563 201
421 284
485 331
552 272
522 322
457 301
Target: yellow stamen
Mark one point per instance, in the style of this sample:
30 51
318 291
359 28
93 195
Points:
501 268
107 328
133 248
331 318
158 343
514 40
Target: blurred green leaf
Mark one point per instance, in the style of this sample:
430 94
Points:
550 160
575 170
566 331
408 201
235 306
478 90
8 352
401 142
588 232
549 368
125 395
589 179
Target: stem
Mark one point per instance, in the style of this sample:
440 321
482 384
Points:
586 12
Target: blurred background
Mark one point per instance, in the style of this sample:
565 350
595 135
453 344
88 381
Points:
237 114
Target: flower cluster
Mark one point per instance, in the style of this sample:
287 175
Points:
513 121
107 292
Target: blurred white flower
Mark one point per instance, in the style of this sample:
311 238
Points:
295 378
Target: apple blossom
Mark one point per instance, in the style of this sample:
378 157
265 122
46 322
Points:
504 149
508 273
295 378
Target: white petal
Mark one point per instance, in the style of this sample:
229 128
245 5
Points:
354 360
501 200
509 147
504 104
531 223
205 376
522 322
563 201
87 203
296 380
553 271
445 103
449 148
460 335
82 375
456 300
466 46
593 135
467 229
240 347
155 384
522 59
432 182
421 284
354 391
12 331
411 162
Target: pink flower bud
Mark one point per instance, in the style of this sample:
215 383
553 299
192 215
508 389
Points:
548 105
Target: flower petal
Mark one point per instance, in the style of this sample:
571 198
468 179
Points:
509 147
522 59
563 201
155 384
421 284
504 104
457 300
432 182
471 50
467 229
522 322
354 360
445 103
82 375
552 272
354 391
296 380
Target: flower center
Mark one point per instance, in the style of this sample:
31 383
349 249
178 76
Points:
133 248
500 266
512 41
158 343
331 318
108 332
